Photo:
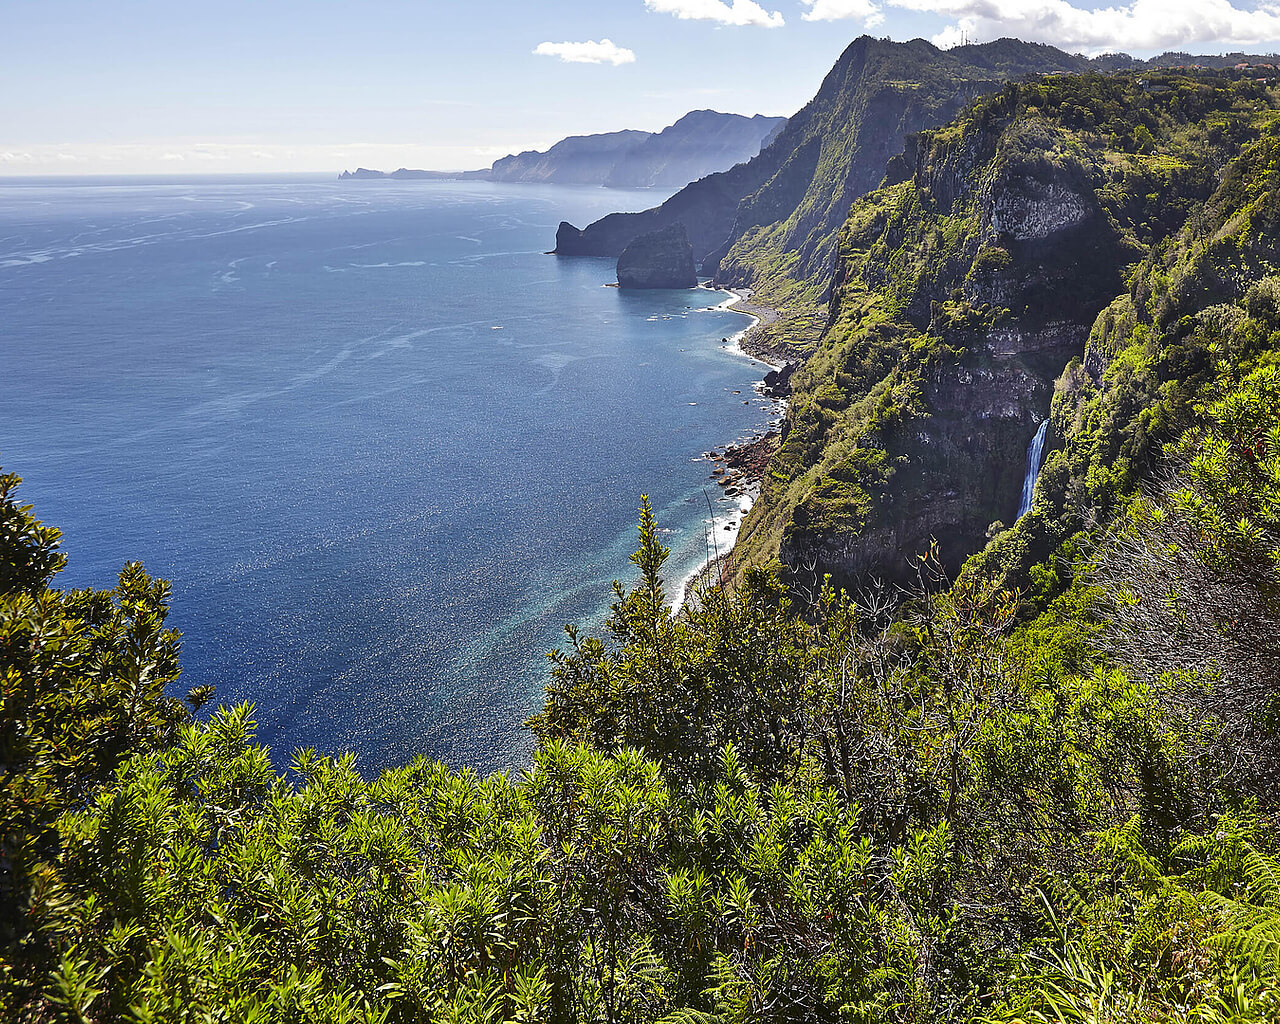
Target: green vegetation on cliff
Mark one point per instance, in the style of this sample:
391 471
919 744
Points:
1041 789
962 292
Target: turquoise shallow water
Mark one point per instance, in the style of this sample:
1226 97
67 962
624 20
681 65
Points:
383 446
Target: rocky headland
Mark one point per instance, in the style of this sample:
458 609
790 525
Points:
700 143
660 259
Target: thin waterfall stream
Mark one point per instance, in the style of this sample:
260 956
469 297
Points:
1035 456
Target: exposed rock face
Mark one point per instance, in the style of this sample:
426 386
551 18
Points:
700 143
831 152
777 383
1038 210
660 259
960 294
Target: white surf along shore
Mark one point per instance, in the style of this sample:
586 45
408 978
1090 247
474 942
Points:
726 512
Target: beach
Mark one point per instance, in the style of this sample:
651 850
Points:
739 467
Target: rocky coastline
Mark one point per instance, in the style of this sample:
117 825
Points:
739 468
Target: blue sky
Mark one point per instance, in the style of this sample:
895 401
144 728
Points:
158 86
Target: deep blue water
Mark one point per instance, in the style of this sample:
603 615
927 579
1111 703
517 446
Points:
383 446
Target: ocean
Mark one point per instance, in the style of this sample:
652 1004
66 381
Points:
383 446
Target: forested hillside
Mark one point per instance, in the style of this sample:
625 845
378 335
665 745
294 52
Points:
963 291
1037 784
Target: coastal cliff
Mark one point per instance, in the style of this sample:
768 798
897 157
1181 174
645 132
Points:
830 152
660 259
961 293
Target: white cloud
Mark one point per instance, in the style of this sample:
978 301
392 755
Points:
173 156
1141 25
950 37
838 10
589 52
738 12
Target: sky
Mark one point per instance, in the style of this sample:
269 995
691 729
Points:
271 86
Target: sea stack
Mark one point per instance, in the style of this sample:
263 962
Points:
660 259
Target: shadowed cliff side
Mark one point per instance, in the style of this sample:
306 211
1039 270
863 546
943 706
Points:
832 151
660 259
961 293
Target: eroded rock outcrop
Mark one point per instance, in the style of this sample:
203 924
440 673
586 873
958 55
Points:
660 259
960 295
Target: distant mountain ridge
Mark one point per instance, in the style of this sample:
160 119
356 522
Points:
700 143
829 153
577 160
771 224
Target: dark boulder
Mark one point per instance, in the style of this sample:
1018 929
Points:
777 383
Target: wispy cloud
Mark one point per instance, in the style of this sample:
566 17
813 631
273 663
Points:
1141 25
738 12
838 10
590 52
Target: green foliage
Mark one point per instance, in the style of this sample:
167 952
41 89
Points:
954 799
730 873
82 681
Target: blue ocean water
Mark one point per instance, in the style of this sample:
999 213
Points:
382 445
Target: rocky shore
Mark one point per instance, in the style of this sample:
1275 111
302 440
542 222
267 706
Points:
758 340
739 468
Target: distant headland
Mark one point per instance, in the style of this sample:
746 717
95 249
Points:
700 143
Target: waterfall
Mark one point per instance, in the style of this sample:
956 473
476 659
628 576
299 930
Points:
1035 455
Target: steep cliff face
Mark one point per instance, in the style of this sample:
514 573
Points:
660 259
577 160
700 143
831 152
962 292
1201 305
785 234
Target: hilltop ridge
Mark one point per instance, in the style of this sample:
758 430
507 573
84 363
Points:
699 143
